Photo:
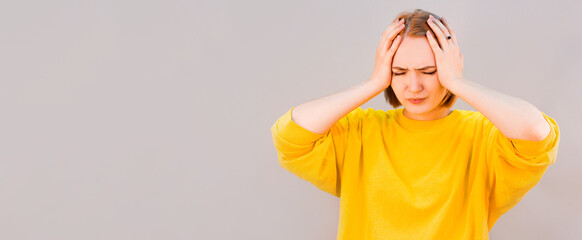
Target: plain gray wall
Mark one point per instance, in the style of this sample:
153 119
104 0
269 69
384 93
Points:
151 119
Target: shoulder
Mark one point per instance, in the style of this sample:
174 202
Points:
471 116
366 113
368 116
371 114
476 121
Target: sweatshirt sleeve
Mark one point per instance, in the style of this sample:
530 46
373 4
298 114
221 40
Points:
316 158
517 165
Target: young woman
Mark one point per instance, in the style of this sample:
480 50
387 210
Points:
423 171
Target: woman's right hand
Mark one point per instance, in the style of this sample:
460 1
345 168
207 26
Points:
382 74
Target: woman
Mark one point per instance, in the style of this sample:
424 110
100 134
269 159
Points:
423 171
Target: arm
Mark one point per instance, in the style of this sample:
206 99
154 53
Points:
313 138
317 156
521 142
514 117
320 114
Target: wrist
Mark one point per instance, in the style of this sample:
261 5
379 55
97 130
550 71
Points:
453 84
376 85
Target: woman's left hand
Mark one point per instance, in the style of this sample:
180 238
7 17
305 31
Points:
449 60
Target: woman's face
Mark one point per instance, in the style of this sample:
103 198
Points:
414 76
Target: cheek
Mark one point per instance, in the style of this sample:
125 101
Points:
397 87
433 83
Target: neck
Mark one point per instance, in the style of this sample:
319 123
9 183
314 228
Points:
428 116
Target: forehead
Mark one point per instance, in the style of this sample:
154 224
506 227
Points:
413 52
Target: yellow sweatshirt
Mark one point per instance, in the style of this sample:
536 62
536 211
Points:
399 178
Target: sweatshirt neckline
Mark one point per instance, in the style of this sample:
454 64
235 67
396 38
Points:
425 125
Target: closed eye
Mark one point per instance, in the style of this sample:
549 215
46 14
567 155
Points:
428 73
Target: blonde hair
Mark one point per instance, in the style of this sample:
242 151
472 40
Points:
415 26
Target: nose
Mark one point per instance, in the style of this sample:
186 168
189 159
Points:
414 83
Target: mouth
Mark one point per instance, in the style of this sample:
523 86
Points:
416 100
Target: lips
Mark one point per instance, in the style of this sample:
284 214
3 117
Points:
416 100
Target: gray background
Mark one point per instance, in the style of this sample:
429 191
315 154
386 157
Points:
151 119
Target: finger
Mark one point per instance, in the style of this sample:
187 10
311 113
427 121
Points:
394 46
442 28
433 44
389 36
439 34
448 25
395 23
384 41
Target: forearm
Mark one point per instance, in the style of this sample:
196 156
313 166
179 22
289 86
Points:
320 114
514 117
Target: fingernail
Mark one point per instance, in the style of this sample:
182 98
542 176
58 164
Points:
443 18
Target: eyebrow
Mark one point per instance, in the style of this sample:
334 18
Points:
422 68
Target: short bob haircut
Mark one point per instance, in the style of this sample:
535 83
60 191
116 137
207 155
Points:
415 26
